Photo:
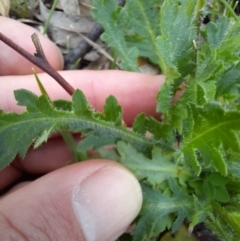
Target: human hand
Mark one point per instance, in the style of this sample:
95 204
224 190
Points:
91 200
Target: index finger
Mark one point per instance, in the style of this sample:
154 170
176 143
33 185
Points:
135 92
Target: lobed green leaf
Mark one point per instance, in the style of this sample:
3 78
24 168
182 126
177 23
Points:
213 129
156 208
156 170
19 131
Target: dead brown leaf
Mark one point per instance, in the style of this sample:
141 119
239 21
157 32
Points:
70 7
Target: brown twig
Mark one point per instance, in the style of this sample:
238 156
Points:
39 60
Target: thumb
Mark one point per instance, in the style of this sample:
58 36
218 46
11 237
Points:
91 200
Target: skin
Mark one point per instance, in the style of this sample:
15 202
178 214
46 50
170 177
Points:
67 202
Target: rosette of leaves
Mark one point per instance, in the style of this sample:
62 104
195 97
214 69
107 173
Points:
189 166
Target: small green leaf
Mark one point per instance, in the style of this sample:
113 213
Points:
159 130
216 32
157 170
80 104
63 105
26 98
155 209
139 124
229 81
43 137
113 111
143 27
221 194
201 97
234 169
177 33
40 85
217 179
164 99
191 160
179 221
208 190
235 216
114 21
221 52
214 131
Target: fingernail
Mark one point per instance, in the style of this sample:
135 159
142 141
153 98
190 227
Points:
106 203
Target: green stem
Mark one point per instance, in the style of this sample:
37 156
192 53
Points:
229 8
235 5
76 64
50 16
213 10
198 25
70 142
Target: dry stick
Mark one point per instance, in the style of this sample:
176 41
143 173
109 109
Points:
39 60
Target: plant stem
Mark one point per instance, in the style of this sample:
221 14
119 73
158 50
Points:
70 142
50 16
39 61
229 8
213 10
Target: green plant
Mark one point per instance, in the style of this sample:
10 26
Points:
189 167
50 16
23 8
